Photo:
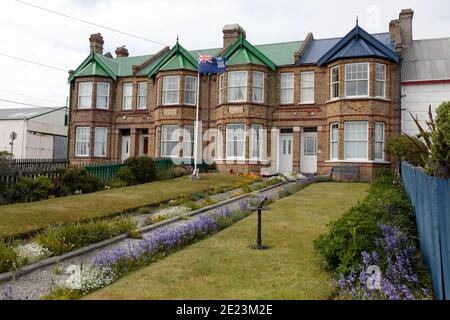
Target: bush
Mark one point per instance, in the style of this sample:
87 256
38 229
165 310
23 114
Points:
166 174
142 168
68 237
8 257
357 229
126 176
407 148
77 178
28 189
116 183
440 149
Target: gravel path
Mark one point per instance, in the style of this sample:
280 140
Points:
40 282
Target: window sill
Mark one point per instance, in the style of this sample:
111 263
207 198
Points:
358 161
358 98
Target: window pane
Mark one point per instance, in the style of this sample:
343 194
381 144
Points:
82 141
127 96
84 94
100 142
171 90
307 86
142 95
190 91
258 86
235 141
237 86
356 142
256 141
356 79
287 88
169 141
102 95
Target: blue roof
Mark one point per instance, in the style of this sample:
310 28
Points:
319 47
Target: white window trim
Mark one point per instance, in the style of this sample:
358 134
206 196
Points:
334 141
126 85
333 83
164 103
107 96
88 142
79 96
226 142
162 141
140 96
259 128
382 141
186 90
95 142
219 143
287 88
262 87
221 88
383 81
185 133
368 80
357 159
246 86
302 87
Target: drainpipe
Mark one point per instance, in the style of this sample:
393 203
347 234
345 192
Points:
400 95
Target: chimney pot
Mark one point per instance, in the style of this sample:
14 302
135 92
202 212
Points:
122 52
96 43
231 32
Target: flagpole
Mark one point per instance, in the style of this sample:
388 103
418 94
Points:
195 174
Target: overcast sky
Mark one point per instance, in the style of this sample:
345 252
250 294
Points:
33 34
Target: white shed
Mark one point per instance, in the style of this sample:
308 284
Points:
41 132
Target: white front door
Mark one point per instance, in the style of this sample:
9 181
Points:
125 147
285 152
308 161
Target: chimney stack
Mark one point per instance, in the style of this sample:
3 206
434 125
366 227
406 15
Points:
96 41
230 33
401 29
122 52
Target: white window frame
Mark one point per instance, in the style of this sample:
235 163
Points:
334 83
355 80
188 141
284 88
256 140
221 88
174 138
381 81
85 93
260 87
219 143
379 141
334 141
100 95
190 90
127 97
345 141
142 95
243 87
232 126
303 87
97 142
86 141
165 89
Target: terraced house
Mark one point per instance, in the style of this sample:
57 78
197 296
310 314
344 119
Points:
324 102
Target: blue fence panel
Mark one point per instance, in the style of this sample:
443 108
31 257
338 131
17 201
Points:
430 197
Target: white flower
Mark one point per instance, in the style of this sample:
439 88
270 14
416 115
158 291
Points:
32 252
87 279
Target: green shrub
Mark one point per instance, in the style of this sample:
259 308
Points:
126 176
29 189
166 174
357 229
75 178
143 168
406 148
62 239
8 257
440 149
116 183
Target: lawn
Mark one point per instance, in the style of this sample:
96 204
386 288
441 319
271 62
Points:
223 267
26 217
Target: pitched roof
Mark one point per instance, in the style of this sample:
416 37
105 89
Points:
25 113
358 43
427 60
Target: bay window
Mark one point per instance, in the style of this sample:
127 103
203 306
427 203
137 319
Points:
334 83
357 79
380 80
258 86
84 95
237 86
307 87
190 90
127 98
170 137
255 146
379 141
101 135
142 95
287 88
102 95
82 141
235 141
188 142
334 141
171 90
356 140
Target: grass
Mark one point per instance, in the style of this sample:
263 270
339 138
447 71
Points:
23 218
223 267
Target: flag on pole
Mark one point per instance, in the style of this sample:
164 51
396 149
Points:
209 64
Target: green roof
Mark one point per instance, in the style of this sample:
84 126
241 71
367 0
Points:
240 52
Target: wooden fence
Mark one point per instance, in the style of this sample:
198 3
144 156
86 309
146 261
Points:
430 197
